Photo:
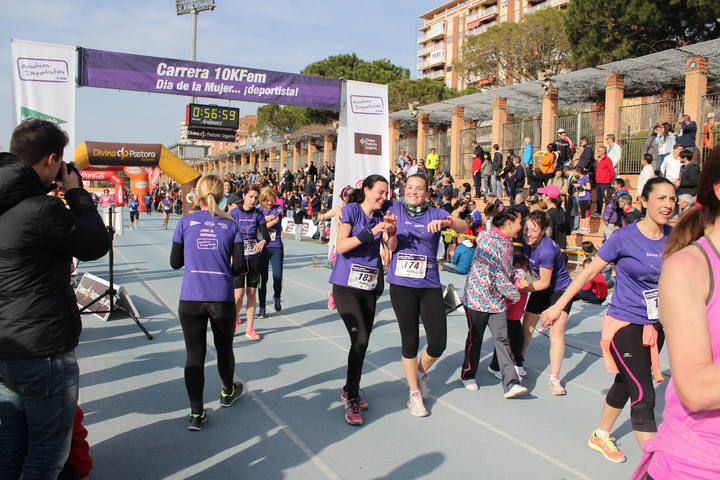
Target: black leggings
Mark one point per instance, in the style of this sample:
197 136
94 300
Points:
194 318
517 339
635 378
357 309
412 304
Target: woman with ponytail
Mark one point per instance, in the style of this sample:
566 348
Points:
252 226
688 440
632 336
204 242
415 289
357 279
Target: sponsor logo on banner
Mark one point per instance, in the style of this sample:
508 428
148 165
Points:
368 144
367 105
43 70
26 113
125 154
141 185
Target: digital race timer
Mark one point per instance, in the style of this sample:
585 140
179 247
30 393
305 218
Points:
212 116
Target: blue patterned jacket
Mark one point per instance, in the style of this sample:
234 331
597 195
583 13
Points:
490 283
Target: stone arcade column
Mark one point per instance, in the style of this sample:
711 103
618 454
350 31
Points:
549 114
457 121
423 127
614 96
696 73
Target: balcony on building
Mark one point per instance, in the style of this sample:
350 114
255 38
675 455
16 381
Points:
481 14
436 30
427 50
559 3
481 28
435 74
434 59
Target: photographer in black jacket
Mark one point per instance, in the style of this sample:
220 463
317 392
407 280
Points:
39 318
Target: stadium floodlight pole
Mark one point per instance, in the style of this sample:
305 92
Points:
193 7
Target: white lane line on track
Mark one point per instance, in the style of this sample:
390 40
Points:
289 433
473 418
313 456
388 317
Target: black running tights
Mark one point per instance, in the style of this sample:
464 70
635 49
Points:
194 318
411 305
635 380
357 309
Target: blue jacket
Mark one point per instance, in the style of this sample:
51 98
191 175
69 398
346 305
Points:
462 258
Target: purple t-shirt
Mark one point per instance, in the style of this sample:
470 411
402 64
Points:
586 195
207 248
167 205
638 261
276 231
547 254
248 227
414 263
358 268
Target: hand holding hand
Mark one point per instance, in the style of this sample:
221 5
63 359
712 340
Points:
259 246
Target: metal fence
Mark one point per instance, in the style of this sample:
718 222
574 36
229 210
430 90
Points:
583 124
302 161
441 143
483 135
409 144
710 133
515 133
636 125
332 157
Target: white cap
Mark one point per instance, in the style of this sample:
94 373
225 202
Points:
560 130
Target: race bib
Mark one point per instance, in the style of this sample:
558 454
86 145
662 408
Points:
411 266
362 277
249 247
652 304
273 235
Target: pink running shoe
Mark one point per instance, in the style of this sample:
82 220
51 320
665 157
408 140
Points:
331 301
352 413
346 401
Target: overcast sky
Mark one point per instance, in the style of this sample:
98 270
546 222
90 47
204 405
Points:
280 35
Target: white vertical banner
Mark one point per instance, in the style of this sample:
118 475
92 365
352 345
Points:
363 144
43 77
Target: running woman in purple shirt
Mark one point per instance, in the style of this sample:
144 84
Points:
357 279
632 334
415 289
273 253
547 265
204 243
254 234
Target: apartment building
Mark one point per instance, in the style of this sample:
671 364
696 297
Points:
444 29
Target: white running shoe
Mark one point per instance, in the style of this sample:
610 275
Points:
416 406
470 384
495 373
515 391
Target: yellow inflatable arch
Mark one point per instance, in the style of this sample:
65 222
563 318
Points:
99 154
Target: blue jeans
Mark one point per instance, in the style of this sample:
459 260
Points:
660 158
575 212
37 405
498 185
274 257
488 185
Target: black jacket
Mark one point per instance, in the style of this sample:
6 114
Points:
689 175
38 238
497 162
587 159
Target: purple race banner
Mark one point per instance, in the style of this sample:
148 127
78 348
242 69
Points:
125 71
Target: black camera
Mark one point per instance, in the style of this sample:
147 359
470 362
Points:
70 168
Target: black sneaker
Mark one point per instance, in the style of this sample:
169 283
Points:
195 421
278 307
228 398
261 313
